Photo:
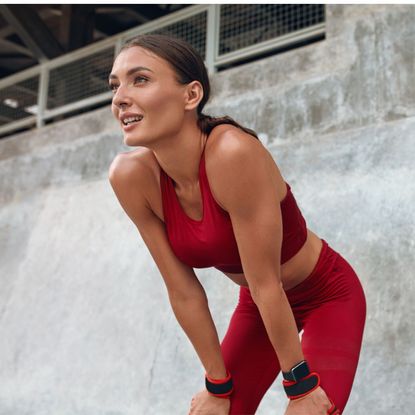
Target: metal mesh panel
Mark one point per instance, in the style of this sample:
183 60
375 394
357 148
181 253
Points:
19 101
191 29
243 25
80 79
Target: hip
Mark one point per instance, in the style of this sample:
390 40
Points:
331 280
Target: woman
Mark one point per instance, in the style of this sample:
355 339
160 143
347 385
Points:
204 192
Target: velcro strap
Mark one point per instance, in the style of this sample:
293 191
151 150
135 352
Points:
295 390
219 388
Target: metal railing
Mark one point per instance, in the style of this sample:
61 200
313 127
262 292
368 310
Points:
221 33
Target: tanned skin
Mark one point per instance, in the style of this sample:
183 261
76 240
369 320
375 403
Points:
168 137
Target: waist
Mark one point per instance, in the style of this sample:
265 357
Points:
324 264
298 268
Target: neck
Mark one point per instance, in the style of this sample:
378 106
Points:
180 157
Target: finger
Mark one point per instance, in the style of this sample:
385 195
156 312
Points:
335 411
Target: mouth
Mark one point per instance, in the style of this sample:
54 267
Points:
131 120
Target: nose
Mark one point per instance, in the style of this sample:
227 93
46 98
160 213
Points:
121 99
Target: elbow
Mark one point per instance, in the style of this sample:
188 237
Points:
268 293
178 297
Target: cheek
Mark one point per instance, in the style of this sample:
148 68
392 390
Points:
164 101
114 110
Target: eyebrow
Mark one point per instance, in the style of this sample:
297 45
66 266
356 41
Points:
131 71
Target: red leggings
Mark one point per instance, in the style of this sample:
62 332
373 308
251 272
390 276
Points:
330 306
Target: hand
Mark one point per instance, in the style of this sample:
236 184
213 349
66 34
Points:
315 403
205 404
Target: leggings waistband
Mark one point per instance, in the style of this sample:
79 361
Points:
324 264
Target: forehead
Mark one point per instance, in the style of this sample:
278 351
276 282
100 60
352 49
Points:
137 56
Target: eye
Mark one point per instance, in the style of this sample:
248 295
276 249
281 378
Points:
140 79
113 87
137 80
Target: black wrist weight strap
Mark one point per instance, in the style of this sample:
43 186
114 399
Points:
295 390
220 388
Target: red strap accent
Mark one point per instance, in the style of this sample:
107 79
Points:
291 382
219 381
225 395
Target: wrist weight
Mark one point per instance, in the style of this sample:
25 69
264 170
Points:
301 387
221 388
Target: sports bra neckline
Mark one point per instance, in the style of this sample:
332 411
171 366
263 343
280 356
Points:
184 214
202 190
176 198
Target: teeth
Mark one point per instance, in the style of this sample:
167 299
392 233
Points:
130 120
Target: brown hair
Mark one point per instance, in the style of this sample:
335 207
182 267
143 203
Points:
189 66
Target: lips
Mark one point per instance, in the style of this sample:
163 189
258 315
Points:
130 118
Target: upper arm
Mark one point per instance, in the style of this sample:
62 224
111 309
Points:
129 180
243 179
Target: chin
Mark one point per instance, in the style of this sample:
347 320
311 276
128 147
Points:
131 141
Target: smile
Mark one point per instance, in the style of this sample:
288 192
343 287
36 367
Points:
130 120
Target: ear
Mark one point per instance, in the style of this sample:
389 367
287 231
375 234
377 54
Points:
193 95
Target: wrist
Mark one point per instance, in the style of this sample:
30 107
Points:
301 388
299 381
217 373
220 388
214 365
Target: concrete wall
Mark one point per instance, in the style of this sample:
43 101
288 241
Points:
85 324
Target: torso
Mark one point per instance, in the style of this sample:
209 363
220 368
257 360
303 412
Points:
293 271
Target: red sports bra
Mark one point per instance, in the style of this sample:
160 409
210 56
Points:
210 242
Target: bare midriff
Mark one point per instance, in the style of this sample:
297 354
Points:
296 269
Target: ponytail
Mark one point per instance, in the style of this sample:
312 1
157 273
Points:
207 123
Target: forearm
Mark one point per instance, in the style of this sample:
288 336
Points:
280 324
195 318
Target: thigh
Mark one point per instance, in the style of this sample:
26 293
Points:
333 332
249 356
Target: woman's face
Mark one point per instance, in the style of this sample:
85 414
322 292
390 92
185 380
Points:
148 102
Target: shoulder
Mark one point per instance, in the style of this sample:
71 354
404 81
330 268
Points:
236 162
131 175
228 138
132 167
136 170
233 150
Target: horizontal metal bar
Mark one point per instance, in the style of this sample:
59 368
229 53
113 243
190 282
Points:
80 53
96 99
15 125
166 20
271 44
20 76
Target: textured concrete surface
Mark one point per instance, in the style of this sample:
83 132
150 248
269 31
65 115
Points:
85 324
